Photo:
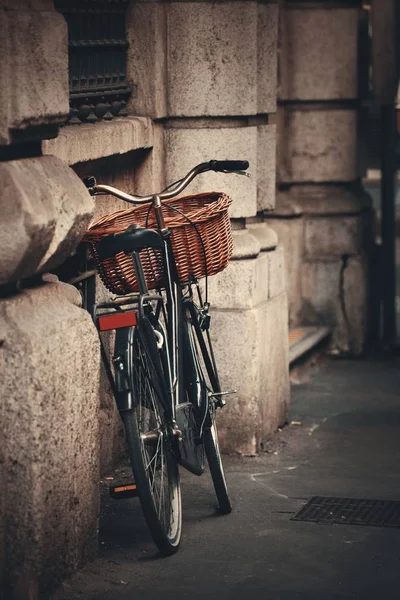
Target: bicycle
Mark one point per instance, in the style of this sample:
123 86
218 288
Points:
165 379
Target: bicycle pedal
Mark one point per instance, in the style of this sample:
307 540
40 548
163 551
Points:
226 393
118 492
220 402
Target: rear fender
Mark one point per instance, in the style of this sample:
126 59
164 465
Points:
123 361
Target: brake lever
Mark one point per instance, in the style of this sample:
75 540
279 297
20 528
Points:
238 173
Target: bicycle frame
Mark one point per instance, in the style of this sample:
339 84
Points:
169 383
173 393
175 335
165 396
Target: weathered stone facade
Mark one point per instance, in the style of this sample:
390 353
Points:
323 216
49 362
205 78
49 355
214 91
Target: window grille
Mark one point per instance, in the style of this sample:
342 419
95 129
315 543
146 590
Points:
97 58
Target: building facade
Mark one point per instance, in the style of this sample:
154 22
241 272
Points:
323 216
200 83
136 93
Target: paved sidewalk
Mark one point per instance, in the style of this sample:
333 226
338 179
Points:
348 444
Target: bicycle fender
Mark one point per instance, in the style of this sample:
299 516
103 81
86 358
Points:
123 355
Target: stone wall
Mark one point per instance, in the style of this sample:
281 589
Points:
213 88
196 118
323 217
49 357
205 87
117 153
50 389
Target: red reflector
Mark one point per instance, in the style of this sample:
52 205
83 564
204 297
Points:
117 320
125 488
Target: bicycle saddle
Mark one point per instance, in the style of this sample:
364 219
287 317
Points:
134 238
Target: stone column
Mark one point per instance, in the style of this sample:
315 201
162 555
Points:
213 86
49 358
323 216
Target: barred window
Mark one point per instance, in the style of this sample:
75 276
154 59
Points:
97 58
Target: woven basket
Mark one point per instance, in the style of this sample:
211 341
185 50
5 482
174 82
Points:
201 239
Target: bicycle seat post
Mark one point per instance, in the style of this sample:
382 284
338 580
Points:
158 211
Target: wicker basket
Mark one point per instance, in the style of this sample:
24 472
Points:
201 239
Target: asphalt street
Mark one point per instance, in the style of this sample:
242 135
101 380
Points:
343 439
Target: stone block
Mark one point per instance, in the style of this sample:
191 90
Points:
212 58
274 391
46 210
150 173
112 441
245 244
242 285
267 48
333 236
263 233
335 293
291 239
147 58
321 292
321 65
188 147
323 200
287 204
34 89
91 141
276 272
258 371
247 283
317 145
351 332
266 167
49 360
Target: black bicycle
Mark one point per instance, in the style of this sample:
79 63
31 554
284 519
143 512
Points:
164 375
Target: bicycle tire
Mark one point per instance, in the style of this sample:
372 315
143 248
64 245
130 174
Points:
214 460
210 434
153 462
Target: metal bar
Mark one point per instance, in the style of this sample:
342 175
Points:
143 289
388 211
82 276
385 65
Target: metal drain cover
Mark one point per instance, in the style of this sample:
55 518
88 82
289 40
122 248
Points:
350 511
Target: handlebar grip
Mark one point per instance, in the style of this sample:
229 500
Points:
228 165
89 181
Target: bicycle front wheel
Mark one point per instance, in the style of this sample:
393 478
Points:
214 460
209 376
153 462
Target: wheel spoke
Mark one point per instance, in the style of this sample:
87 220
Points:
161 486
155 469
204 356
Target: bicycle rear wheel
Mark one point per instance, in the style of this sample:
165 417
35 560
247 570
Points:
153 462
210 380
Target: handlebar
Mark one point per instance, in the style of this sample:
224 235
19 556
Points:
223 166
228 165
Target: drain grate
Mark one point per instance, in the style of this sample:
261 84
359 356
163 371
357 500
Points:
350 511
